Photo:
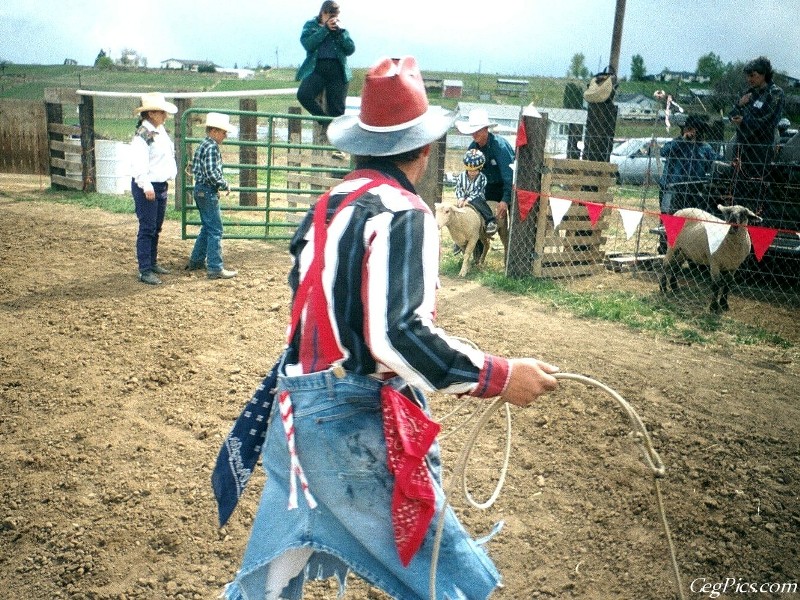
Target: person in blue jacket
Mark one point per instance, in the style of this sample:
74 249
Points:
499 156
688 160
327 46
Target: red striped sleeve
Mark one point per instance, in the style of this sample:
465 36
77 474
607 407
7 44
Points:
493 378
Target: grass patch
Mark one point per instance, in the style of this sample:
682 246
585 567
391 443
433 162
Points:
635 311
113 203
639 313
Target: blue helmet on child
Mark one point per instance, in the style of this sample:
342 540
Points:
474 159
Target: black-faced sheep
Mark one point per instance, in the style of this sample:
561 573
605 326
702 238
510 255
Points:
692 244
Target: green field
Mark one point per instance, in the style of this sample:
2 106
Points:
113 116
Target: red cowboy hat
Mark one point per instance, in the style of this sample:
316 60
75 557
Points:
395 116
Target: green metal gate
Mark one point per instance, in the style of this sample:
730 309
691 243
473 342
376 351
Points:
277 166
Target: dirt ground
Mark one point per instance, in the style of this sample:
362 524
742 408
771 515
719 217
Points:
116 397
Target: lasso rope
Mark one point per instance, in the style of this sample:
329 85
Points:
641 435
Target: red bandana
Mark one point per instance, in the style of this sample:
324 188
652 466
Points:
409 434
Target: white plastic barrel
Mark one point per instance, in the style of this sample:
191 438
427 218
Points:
112 164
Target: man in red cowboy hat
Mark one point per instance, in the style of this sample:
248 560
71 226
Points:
353 432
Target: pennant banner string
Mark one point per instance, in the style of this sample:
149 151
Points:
624 211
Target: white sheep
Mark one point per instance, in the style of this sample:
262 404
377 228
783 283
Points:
692 244
466 228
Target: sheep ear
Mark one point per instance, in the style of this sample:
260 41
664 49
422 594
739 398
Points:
753 216
723 209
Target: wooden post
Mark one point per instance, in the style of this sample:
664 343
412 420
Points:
88 159
429 186
248 155
616 36
530 163
183 156
601 121
54 112
294 158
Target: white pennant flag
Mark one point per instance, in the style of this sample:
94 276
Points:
630 220
559 207
715 232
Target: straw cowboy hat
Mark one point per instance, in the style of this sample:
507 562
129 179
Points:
220 121
155 101
600 88
395 116
478 119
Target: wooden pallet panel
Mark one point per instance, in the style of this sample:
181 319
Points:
575 247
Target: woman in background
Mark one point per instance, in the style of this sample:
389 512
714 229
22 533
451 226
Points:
152 166
325 68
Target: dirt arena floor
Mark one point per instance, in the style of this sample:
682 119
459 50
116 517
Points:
116 396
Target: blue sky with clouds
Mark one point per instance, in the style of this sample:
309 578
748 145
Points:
516 37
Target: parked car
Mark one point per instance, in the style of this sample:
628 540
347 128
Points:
638 161
780 209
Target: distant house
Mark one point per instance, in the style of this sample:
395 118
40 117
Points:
181 64
452 88
686 76
511 87
701 94
240 73
636 106
788 81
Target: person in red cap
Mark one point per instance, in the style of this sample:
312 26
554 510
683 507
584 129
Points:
353 469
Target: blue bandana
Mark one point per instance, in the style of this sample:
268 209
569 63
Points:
241 449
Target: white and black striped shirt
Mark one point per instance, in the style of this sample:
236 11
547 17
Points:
380 280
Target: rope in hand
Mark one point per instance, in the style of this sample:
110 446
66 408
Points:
651 458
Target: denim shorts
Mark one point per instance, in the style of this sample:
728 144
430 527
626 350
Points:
341 448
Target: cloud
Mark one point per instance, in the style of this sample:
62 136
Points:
524 37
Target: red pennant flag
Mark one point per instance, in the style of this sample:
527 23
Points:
522 135
525 201
761 237
672 226
595 210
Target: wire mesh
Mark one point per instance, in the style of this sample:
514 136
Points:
584 221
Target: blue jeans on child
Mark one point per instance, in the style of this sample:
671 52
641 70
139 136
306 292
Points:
151 217
208 245
341 446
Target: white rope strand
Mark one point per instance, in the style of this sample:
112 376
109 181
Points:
641 436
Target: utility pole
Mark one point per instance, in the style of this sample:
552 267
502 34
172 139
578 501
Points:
616 37
601 118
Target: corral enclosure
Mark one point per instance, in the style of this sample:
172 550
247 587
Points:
116 397
266 177
109 498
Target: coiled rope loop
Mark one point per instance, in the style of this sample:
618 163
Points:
640 434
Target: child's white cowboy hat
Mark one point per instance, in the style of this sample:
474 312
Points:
220 121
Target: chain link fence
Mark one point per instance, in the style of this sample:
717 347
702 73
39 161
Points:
602 192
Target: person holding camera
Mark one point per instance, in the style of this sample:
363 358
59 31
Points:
327 46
